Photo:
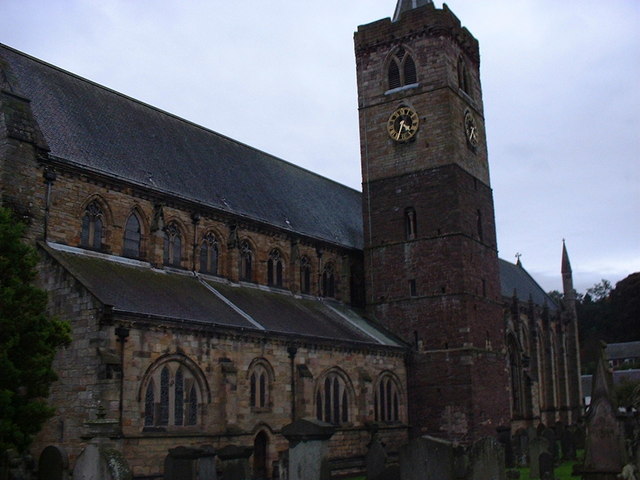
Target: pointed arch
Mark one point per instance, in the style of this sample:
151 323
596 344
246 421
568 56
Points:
388 398
305 274
210 252
261 378
329 280
134 230
464 83
247 261
173 243
401 68
171 392
275 268
334 397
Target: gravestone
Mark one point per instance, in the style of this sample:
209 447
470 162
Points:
188 463
504 437
568 445
605 452
430 458
537 446
551 437
234 462
376 459
486 460
521 447
545 465
308 449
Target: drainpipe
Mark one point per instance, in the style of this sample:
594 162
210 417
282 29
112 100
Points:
122 333
291 350
49 176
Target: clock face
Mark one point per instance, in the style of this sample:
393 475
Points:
471 130
403 124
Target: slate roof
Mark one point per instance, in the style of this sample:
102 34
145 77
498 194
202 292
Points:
622 350
133 287
98 129
515 277
88 125
619 377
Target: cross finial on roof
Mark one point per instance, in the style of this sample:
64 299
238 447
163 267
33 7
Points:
518 262
405 5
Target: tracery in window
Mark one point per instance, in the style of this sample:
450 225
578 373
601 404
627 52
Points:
132 237
328 281
387 400
171 397
305 275
402 70
332 399
209 254
246 262
260 383
274 268
91 235
410 223
172 245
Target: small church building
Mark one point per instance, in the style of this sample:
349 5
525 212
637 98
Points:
216 293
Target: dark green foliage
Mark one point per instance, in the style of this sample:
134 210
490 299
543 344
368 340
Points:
608 314
29 340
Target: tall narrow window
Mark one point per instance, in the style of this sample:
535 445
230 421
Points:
463 77
410 225
260 386
91 236
332 400
387 400
328 281
132 237
274 268
305 275
246 261
479 225
402 70
172 245
171 397
209 254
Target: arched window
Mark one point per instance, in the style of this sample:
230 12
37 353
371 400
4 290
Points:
172 245
332 400
517 384
410 223
305 275
246 262
463 77
402 70
274 268
387 400
328 281
171 397
91 236
260 383
132 237
209 254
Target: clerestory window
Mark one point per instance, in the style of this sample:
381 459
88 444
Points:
332 400
209 254
132 237
171 397
172 245
92 222
274 268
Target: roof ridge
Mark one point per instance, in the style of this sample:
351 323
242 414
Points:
177 117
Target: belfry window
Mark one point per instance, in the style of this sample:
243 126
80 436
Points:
328 281
171 397
246 261
274 268
209 254
91 236
402 70
332 400
172 245
305 275
463 77
387 400
132 237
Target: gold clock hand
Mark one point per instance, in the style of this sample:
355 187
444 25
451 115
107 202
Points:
401 126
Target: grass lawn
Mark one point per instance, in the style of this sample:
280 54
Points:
562 472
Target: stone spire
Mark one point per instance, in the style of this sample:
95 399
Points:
404 5
567 275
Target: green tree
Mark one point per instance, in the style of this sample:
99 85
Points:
29 339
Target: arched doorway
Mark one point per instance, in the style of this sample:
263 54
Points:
260 447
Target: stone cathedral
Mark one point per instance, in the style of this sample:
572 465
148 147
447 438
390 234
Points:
217 293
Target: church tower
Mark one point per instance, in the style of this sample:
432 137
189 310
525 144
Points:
431 262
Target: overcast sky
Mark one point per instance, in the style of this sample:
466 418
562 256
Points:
561 84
